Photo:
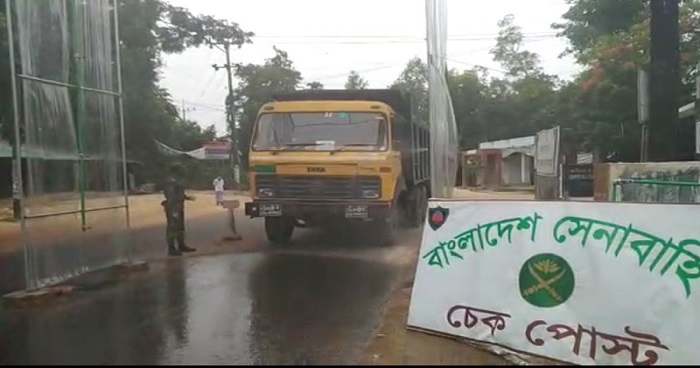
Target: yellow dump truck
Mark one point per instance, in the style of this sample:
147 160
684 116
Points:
318 157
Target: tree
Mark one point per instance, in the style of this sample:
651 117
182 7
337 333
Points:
520 104
178 29
314 85
587 21
355 81
629 48
469 102
611 38
413 80
518 63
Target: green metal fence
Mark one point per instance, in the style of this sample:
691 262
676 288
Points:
67 101
618 184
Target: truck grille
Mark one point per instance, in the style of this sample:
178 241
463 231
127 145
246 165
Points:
317 187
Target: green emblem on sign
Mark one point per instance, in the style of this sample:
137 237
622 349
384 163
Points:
546 280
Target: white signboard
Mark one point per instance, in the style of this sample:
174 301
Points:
547 152
579 282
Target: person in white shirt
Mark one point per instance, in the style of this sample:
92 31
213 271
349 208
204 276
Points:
219 190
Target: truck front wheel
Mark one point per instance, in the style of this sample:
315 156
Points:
279 230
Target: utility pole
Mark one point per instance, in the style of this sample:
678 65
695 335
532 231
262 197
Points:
664 80
696 108
230 116
185 110
643 111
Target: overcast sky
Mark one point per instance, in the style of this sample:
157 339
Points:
328 38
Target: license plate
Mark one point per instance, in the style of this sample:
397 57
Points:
270 210
356 211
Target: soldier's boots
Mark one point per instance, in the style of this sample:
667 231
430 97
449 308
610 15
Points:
182 246
185 248
172 251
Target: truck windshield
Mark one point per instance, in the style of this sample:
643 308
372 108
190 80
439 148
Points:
325 131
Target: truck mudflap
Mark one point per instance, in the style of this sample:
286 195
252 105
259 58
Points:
348 210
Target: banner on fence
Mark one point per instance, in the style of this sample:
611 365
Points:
585 283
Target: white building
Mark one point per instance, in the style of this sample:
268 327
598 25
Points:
502 163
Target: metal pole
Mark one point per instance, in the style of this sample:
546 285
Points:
28 281
125 172
696 108
62 84
643 111
232 119
78 57
664 80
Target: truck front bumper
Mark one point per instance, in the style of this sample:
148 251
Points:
307 210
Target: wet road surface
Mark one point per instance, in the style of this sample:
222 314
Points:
316 302
148 243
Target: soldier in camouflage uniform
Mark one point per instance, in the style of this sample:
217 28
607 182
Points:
174 205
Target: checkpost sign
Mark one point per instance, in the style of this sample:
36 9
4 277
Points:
580 282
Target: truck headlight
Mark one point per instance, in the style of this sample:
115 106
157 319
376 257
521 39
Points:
266 192
370 193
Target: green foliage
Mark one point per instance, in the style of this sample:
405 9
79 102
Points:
587 21
508 51
611 38
489 108
413 80
314 85
178 29
355 81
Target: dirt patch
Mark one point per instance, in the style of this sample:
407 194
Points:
492 195
395 345
144 211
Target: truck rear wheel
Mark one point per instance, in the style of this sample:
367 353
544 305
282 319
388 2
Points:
417 206
279 230
421 205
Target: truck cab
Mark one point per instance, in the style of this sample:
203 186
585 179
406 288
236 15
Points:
323 157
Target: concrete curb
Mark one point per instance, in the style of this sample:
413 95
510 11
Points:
39 297
26 298
132 267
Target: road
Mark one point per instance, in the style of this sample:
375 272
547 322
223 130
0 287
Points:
317 301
